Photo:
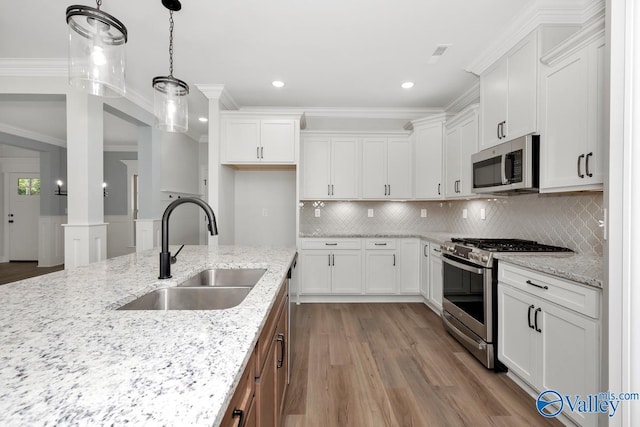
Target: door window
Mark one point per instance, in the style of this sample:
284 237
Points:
28 186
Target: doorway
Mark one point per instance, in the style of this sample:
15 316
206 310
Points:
24 214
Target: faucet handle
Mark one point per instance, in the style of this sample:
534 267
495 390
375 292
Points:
174 258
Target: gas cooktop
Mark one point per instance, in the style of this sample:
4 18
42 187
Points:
509 245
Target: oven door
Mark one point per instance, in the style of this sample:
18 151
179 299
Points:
467 295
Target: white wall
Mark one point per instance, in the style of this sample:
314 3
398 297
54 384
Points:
180 160
270 190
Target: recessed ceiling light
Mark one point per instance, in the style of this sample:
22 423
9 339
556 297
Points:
407 85
277 83
203 119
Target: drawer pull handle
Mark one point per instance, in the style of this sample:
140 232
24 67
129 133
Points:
280 339
529 282
535 319
380 244
238 413
331 244
529 316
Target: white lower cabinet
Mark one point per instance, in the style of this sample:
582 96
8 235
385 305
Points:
346 270
331 271
424 269
381 266
409 266
544 343
435 278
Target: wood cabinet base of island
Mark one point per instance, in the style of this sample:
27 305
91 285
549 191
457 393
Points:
259 398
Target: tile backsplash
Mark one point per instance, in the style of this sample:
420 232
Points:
562 220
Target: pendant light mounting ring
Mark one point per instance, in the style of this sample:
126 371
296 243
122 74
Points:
173 5
163 83
95 17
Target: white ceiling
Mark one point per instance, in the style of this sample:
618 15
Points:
330 53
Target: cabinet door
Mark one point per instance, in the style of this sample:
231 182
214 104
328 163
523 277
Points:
424 269
282 358
435 280
241 141
409 261
381 272
266 392
345 168
316 166
517 347
399 169
346 272
493 102
522 100
374 168
316 272
428 162
452 162
468 146
277 140
569 354
566 123
597 110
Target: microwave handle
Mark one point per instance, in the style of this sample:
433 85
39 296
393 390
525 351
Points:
503 170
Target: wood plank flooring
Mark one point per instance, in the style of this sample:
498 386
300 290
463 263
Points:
14 271
393 365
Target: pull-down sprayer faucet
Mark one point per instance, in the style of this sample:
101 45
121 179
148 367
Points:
165 255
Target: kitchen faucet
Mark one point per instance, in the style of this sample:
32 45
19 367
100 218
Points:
165 255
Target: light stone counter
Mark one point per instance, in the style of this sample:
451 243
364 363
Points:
432 236
579 268
68 358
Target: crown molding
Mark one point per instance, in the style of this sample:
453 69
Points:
218 91
426 121
472 95
360 113
463 115
33 67
539 13
34 136
592 30
355 133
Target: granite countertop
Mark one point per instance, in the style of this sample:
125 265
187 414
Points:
432 236
585 269
68 358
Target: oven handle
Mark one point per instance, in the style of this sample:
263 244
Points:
460 335
463 266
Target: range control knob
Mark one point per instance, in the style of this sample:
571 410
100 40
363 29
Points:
485 258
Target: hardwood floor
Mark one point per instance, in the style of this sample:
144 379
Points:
393 365
14 271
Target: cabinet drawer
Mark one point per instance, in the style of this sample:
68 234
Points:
242 399
582 299
331 244
380 243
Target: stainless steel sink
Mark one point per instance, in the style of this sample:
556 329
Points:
190 298
230 277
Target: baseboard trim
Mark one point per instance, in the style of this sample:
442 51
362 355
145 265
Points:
359 298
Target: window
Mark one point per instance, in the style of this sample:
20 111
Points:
29 186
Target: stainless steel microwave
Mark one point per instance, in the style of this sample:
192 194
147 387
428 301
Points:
511 167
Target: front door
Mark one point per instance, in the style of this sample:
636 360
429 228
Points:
24 213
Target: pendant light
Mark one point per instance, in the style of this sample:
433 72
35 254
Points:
169 99
96 51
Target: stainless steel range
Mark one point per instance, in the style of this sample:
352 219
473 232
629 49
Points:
470 284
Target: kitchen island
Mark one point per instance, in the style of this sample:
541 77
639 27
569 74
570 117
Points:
68 357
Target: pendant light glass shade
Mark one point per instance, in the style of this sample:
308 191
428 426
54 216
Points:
170 104
170 94
96 51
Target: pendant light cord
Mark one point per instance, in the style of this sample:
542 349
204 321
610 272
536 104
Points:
99 3
171 43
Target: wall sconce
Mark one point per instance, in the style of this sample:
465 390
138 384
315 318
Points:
59 191
318 204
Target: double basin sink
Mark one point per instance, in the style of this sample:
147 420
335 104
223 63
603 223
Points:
214 289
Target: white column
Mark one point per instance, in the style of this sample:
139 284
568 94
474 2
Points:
149 168
85 234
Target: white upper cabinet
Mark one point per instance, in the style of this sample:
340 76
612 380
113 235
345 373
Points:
572 136
387 171
251 139
508 94
460 143
330 167
428 140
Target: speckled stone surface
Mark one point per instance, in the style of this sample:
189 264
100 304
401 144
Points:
68 358
579 268
432 236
